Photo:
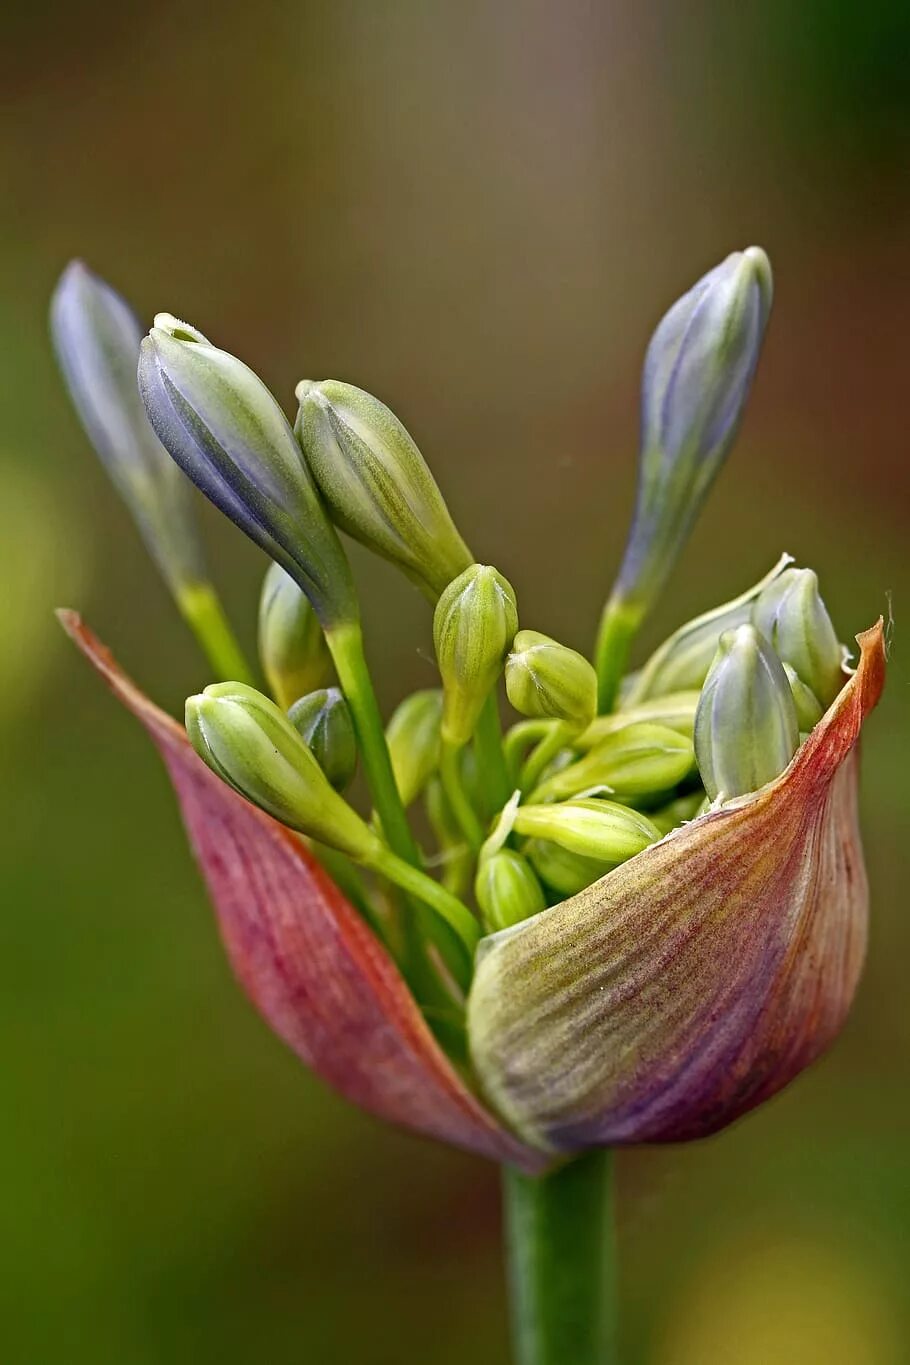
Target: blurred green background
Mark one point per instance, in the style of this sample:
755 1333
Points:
477 211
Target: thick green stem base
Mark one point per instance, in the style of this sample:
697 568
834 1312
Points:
560 1246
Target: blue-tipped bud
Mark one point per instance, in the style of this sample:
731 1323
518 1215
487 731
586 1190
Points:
292 648
228 434
413 739
474 624
746 729
792 616
507 890
323 722
97 338
548 680
376 483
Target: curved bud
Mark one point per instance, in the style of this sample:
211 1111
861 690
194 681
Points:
547 679
699 978
97 337
475 621
595 829
792 616
746 729
809 709
564 872
228 434
412 735
638 760
675 711
323 722
249 742
292 649
507 890
376 482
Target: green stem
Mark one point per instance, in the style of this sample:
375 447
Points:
619 625
546 750
560 1245
491 762
452 785
201 608
519 740
456 915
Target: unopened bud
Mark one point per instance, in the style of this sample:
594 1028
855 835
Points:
746 729
597 829
507 890
228 434
676 711
292 647
412 735
638 760
792 616
809 709
564 872
475 622
376 483
547 679
249 742
323 722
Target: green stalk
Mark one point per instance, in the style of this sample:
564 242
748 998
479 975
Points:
546 750
452 785
201 608
560 1245
491 762
619 625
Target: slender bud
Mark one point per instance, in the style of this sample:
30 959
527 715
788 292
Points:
475 622
97 338
564 872
637 760
228 434
323 722
413 739
597 829
376 482
792 616
292 647
547 679
249 742
809 709
676 711
507 890
746 729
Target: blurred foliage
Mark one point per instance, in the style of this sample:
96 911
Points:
477 212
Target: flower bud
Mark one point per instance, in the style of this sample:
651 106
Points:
676 711
97 338
249 742
475 622
228 434
376 482
564 872
637 760
596 829
323 722
546 679
793 618
746 729
413 739
809 709
507 890
292 647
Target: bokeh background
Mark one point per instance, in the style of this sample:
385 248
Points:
477 211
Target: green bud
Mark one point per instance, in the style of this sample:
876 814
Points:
249 742
376 482
507 890
547 679
475 622
746 729
323 722
792 616
635 761
682 661
292 648
597 829
564 872
676 711
809 709
413 739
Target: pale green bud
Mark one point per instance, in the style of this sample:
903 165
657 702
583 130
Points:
507 890
376 483
292 648
412 735
676 711
638 760
809 709
323 721
547 679
597 829
792 616
564 872
746 729
249 742
474 624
